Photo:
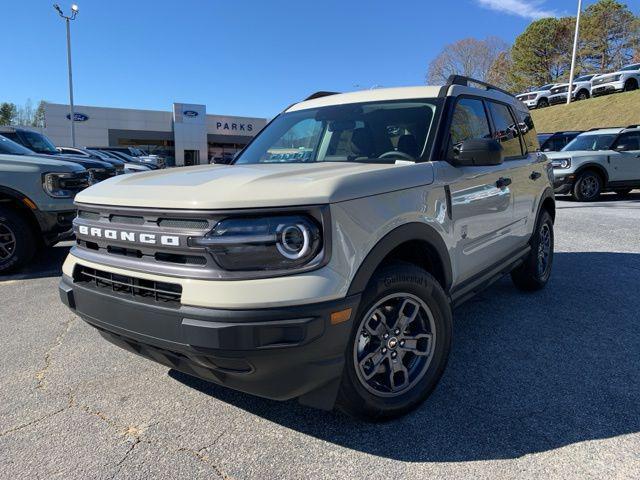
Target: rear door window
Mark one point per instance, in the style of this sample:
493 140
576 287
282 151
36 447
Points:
506 130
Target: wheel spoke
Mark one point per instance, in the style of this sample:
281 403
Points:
419 345
398 374
408 312
381 325
370 364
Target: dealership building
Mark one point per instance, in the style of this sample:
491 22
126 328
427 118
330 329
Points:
186 133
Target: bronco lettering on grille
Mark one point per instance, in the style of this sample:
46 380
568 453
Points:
148 238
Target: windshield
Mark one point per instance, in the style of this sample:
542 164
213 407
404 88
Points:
590 142
584 78
391 130
10 147
635 66
39 143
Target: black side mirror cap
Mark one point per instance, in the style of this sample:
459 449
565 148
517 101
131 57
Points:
478 152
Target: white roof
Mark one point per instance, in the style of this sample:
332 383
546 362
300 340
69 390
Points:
379 94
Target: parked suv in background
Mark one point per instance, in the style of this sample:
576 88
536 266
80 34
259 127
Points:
39 144
537 98
136 153
597 161
581 90
132 165
554 142
624 80
328 275
36 202
84 153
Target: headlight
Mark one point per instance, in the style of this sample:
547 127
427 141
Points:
65 185
561 163
253 244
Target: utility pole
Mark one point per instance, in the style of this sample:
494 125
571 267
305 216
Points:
575 52
74 12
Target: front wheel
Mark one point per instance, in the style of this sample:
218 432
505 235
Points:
583 95
588 187
631 85
399 346
534 273
543 103
17 244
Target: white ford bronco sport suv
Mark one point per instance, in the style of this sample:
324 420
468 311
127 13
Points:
600 160
322 264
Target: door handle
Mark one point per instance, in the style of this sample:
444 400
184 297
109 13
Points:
535 175
503 182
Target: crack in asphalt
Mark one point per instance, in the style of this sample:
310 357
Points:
32 422
206 459
41 374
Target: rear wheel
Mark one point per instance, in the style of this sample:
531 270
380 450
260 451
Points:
630 85
588 186
583 95
399 345
543 103
534 273
17 243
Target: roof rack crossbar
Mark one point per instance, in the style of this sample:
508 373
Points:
465 81
319 95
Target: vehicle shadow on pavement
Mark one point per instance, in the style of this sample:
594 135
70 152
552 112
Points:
527 373
46 263
606 199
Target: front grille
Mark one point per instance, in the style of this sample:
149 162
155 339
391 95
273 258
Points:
127 219
169 293
186 223
100 174
89 215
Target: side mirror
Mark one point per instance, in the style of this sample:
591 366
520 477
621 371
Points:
478 152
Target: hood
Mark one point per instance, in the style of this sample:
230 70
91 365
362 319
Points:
44 163
578 154
85 162
255 186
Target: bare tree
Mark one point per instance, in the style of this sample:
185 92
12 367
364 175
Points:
470 57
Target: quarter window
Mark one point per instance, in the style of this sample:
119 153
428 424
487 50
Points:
629 142
506 130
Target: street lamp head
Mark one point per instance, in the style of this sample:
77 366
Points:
74 8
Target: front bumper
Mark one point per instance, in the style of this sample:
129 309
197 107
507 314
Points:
56 225
607 88
278 353
563 183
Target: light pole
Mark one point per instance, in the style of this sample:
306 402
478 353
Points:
575 52
68 18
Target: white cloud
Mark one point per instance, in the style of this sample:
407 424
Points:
522 8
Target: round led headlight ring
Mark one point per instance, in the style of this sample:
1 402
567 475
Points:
294 240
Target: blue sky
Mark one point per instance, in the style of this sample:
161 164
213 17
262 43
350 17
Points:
239 58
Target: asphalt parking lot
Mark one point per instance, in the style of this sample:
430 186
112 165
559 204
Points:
545 385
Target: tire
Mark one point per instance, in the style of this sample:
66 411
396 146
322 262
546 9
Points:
398 287
543 103
583 95
630 85
534 273
17 242
588 186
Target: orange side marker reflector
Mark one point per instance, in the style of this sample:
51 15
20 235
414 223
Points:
29 203
341 316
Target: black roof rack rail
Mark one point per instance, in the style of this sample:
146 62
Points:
602 128
464 81
319 95
632 126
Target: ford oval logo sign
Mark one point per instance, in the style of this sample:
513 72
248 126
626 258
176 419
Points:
78 117
190 113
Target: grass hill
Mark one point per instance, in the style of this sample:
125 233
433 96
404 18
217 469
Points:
616 110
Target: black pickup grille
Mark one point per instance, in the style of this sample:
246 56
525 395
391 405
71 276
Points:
170 293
